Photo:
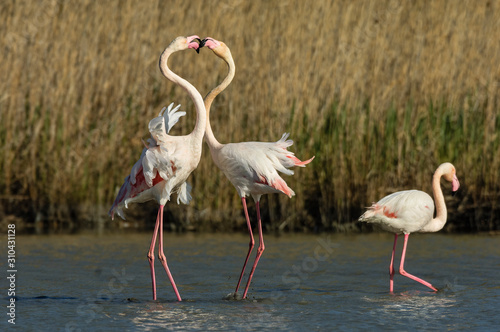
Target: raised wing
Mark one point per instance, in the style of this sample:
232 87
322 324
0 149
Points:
160 126
171 116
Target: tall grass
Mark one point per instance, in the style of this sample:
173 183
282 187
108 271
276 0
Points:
380 91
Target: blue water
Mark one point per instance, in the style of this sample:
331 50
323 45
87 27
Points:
303 282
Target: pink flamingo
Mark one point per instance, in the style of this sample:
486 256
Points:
167 161
412 211
250 166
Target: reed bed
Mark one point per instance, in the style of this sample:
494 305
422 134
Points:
381 92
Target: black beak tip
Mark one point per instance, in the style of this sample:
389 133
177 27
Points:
201 43
453 193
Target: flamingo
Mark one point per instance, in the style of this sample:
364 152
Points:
166 163
252 167
412 211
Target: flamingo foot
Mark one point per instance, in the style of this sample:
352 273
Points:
153 279
250 245
406 274
260 250
232 297
423 282
391 266
163 259
165 266
151 256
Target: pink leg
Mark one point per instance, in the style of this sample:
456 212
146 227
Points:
151 255
250 246
406 274
260 250
391 267
163 259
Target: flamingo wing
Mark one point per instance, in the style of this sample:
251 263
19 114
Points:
160 126
171 116
136 189
253 167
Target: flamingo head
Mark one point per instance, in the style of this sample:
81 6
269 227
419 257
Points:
194 42
182 43
219 48
211 43
450 174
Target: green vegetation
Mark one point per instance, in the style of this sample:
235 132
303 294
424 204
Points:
381 92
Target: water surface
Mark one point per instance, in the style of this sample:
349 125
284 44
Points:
303 282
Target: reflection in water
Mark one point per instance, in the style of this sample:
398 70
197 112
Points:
425 308
412 305
209 315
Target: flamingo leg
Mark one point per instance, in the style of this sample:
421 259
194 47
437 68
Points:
406 274
163 259
260 250
151 255
391 266
250 246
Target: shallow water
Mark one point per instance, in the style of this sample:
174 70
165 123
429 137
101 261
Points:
314 282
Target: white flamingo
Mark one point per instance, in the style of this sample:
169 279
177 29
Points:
167 161
412 211
252 167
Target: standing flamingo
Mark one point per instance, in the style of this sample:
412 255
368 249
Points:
167 161
250 166
411 211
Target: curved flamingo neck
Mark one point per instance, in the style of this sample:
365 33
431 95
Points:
209 135
441 214
199 128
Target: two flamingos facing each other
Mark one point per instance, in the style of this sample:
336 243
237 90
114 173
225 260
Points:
166 163
412 211
252 167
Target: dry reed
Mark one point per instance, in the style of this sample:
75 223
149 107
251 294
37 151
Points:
380 91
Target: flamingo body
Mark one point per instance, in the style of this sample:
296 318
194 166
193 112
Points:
402 212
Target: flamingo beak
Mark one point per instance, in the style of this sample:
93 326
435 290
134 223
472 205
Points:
202 43
455 185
